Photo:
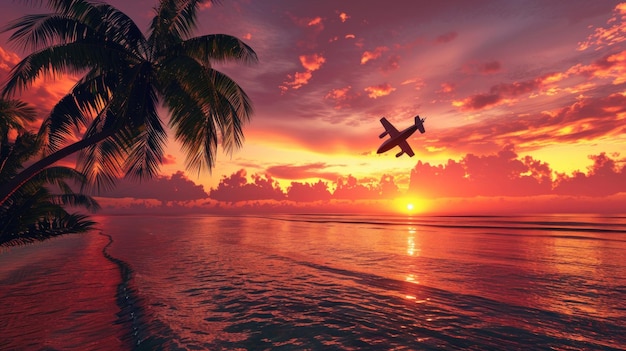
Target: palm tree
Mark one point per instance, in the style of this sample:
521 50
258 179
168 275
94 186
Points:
33 212
126 75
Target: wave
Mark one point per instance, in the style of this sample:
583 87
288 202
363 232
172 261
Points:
212 293
495 223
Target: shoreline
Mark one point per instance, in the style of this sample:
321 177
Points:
130 312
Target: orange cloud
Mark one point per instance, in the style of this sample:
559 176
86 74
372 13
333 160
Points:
315 21
417 83
447 87
169 159
350 36
7 60
343 16
372 55
614 33
611 66
206 5
381 90
298 80
312 62
339 96
311 170
586 119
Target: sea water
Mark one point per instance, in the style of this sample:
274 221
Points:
321 282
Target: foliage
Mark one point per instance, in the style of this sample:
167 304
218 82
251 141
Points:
125 76
33 212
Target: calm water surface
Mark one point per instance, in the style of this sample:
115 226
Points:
316 282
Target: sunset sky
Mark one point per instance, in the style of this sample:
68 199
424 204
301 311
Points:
525 104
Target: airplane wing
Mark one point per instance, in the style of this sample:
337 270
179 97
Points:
406 148
391 130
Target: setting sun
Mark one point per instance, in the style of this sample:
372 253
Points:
410 205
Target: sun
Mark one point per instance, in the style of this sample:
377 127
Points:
410 205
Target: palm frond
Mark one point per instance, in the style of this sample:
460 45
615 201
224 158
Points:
69 58
25 146
218 48
186 88
15 114
173 22
49 227
38 31
76 200
75 110
232 111
102 163
147 150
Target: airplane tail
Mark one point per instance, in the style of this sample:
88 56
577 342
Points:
419 122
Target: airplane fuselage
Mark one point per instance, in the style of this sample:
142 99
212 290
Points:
394 141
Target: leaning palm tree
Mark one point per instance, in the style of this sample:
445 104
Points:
34 211
125 75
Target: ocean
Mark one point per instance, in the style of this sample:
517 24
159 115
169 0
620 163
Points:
321 282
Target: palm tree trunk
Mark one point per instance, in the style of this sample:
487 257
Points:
7 189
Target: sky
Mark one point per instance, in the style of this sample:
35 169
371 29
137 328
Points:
525 103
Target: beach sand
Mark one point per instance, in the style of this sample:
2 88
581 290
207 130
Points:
59 294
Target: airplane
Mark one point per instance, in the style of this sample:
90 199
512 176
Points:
398 138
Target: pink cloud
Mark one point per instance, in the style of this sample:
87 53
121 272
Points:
376 91
416 82
446 37
484 183
507 174
447 87
311 170
611 66
498 94
349 187
169 159
236 188
176 187
392 64
603 178
307 192
585 119
482 68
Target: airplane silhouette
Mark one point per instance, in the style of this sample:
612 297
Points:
398 138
